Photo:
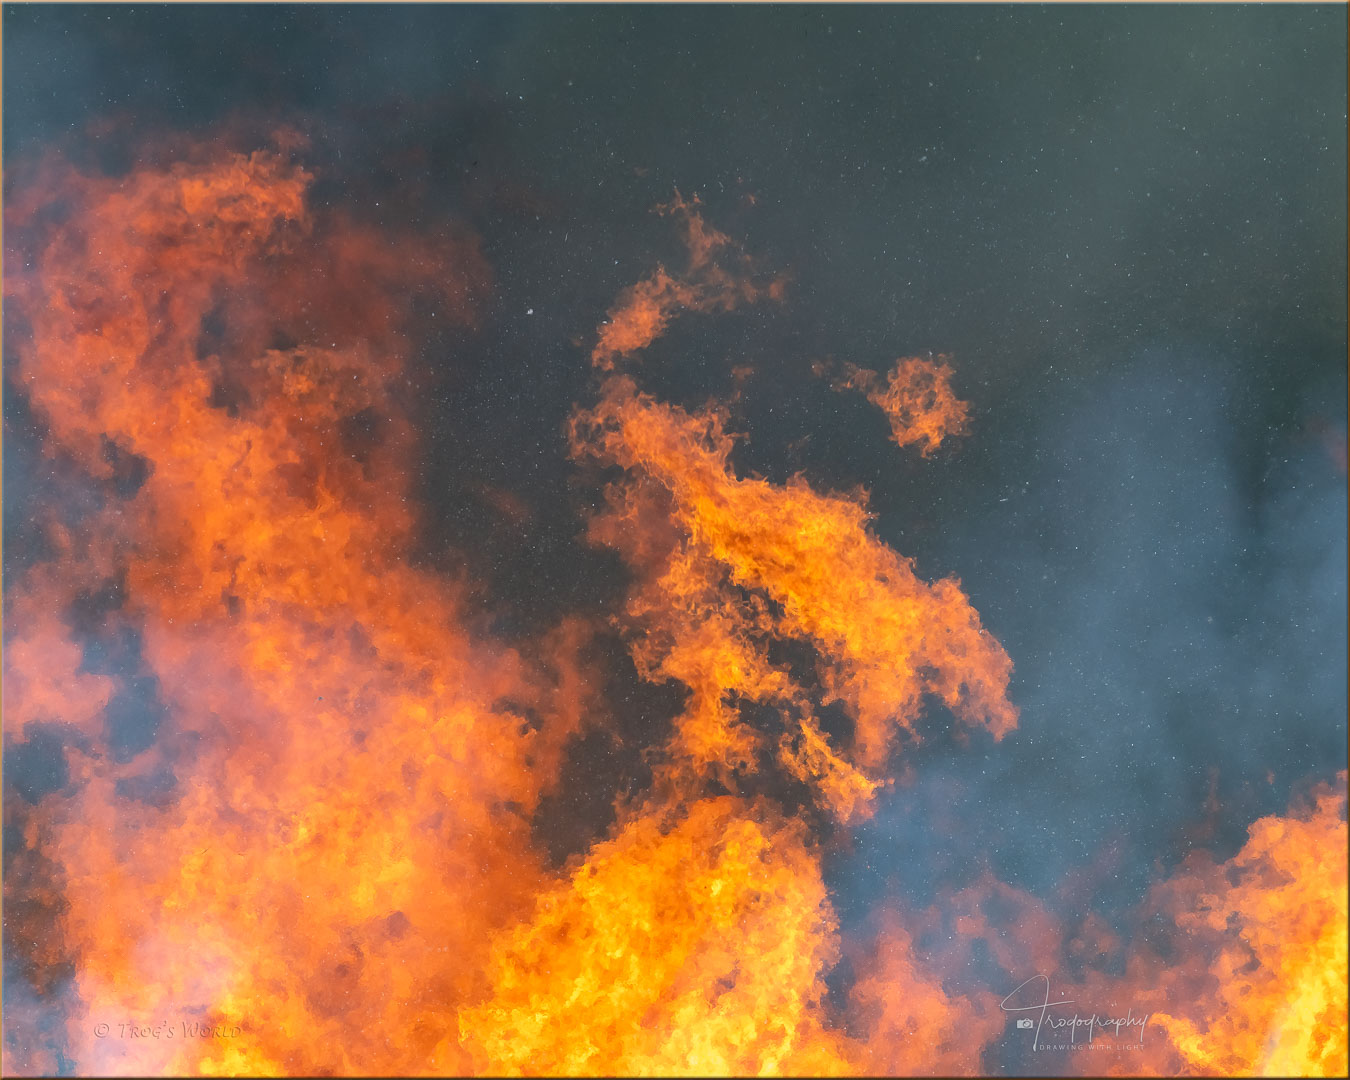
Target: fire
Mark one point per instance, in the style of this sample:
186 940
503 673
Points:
1272 926
692 943
732 565
695 941
911 1026
337 810
917 399
1235 968
645 309
322 856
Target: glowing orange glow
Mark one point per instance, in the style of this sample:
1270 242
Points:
917 399
1240 967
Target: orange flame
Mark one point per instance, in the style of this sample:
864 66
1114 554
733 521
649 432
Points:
910 1025
692 944
328 849
645 309
342 805
1237 968
696 940
737 564
1269 929
917 399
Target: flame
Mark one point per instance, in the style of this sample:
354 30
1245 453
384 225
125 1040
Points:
323 856
1269 929
911 1026
337 812
734 565
695 941
917 399
692 943
1237 968
646 309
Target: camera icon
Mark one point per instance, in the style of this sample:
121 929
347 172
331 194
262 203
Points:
1025 1023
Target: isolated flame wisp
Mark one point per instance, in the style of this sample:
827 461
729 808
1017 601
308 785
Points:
917 398
645 310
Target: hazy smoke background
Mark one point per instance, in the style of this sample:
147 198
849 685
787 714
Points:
1127 227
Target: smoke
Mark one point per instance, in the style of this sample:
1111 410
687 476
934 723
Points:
1186 606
